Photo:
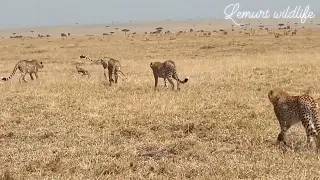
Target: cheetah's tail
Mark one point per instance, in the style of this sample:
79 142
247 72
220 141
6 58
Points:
184 81
12 74
121 72
86 57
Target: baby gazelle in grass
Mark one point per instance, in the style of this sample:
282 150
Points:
82 71
290 110
167 71
113 67
26 67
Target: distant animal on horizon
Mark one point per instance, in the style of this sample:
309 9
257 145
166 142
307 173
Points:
294 32
290 110
82 71
25 67
167 71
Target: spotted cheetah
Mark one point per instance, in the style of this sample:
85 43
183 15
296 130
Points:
25 66
290 110
174 64
166 70
113 67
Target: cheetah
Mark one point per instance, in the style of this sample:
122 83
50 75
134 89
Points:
105 67
82 71
290 110
165 79
25 67
166 70
113 67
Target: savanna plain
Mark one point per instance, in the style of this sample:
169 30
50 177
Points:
220 125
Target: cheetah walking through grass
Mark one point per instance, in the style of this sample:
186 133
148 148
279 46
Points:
167 71
290 110
25 66
113 67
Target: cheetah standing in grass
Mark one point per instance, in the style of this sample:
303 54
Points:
113 67
166 70
165 79
290 110
25 67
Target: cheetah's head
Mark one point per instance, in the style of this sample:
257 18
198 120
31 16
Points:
104 64
40 65
275 94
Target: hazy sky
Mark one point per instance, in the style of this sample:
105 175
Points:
39 13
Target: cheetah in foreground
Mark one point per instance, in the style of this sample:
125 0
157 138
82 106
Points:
290 110
167 71
165 79
25 66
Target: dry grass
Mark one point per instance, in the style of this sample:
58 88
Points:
219 126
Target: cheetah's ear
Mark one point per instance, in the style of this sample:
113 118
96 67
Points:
40 62
271 92
151 64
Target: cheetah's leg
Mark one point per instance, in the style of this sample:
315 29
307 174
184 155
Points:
284 128
23 78
105 73
116 77
175 76
305 115
36 75
315 119
282 134
178 85
165 82
171 82
155 81
110 77
31 76
20 79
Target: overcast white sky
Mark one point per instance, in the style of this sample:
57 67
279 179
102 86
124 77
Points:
39 13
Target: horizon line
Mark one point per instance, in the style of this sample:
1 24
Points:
112 23
132 23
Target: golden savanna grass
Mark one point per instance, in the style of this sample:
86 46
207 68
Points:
220 125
